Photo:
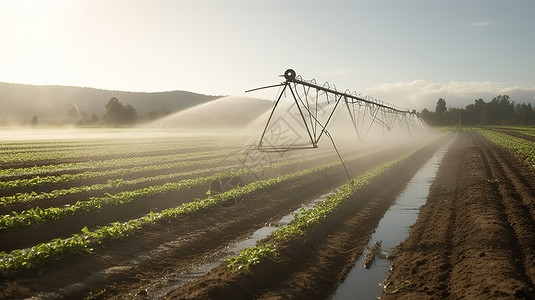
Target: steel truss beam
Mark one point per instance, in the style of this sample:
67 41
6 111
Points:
312 99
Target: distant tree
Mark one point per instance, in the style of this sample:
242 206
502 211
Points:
440 113
441 106
490 115
506 109
500 111
524 114
428 116
118 114
34 121
454 116
473 112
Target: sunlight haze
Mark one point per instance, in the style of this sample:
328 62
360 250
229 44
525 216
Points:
408 53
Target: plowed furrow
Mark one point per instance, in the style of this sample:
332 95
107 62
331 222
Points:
311 266
491 244
428 248
172 248
515 202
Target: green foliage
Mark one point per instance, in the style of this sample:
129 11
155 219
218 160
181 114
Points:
499 111
37 180
405 284
96 295
116 230
494 181
307 217
523 148
33 196
37 216
32 151
118 114
39 254
250 256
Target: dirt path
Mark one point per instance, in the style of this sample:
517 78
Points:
475 236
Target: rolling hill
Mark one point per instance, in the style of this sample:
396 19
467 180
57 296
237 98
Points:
20 103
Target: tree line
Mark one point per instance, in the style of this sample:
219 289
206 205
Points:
116 114
499 111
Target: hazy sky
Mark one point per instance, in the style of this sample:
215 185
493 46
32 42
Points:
408 53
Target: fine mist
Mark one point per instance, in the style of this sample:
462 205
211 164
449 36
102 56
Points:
293 126
229 112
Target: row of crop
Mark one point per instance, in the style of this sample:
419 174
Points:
63 178
109 151
530 129
523 148
530 132
104 164
34 145
111 183
59 145
36 215
39 146
306 217
81 140
81 243
115 183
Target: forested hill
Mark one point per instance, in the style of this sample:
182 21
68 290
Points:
19 102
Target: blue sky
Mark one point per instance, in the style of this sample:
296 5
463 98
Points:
408 53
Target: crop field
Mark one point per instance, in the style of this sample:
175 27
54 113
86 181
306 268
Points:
137 215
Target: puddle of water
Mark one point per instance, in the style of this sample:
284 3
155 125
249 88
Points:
393 228
230 251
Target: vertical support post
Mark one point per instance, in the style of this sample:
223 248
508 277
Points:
270 116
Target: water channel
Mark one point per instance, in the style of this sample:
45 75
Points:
362 283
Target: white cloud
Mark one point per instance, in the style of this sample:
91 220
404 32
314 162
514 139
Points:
420 94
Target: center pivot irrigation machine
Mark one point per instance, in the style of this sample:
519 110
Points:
313 108
309 114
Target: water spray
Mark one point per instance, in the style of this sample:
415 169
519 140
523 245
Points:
311 99
316 106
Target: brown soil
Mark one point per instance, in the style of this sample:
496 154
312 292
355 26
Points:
132 267
312 266
475 236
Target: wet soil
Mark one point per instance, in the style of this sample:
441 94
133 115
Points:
312 266
475 236
129 268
